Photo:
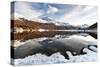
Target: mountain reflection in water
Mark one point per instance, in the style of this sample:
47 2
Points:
51 42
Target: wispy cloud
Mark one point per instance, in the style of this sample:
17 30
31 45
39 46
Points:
73 14
81 15
52 9
25 9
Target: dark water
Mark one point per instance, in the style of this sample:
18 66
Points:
49 43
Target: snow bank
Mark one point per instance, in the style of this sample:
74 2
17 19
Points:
93 48
89 57
57 58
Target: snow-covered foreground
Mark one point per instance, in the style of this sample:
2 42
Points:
91 56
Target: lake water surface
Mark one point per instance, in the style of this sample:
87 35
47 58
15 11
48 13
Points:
48 43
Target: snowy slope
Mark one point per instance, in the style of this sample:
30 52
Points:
50 20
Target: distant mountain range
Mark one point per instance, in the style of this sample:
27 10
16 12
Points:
42 19
43 23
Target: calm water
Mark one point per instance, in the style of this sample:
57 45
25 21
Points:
48 43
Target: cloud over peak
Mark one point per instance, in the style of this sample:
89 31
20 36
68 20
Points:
52 9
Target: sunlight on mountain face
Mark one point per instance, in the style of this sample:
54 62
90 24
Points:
41 30
19 30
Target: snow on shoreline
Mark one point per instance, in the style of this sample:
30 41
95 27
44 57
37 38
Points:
57 58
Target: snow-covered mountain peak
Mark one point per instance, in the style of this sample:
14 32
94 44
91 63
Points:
50 20
39 19
47 18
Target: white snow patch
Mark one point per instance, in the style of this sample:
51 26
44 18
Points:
57 58
93 48
39 20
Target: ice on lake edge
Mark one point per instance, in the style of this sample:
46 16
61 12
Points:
57 58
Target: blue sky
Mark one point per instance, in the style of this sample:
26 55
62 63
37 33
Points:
73 14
